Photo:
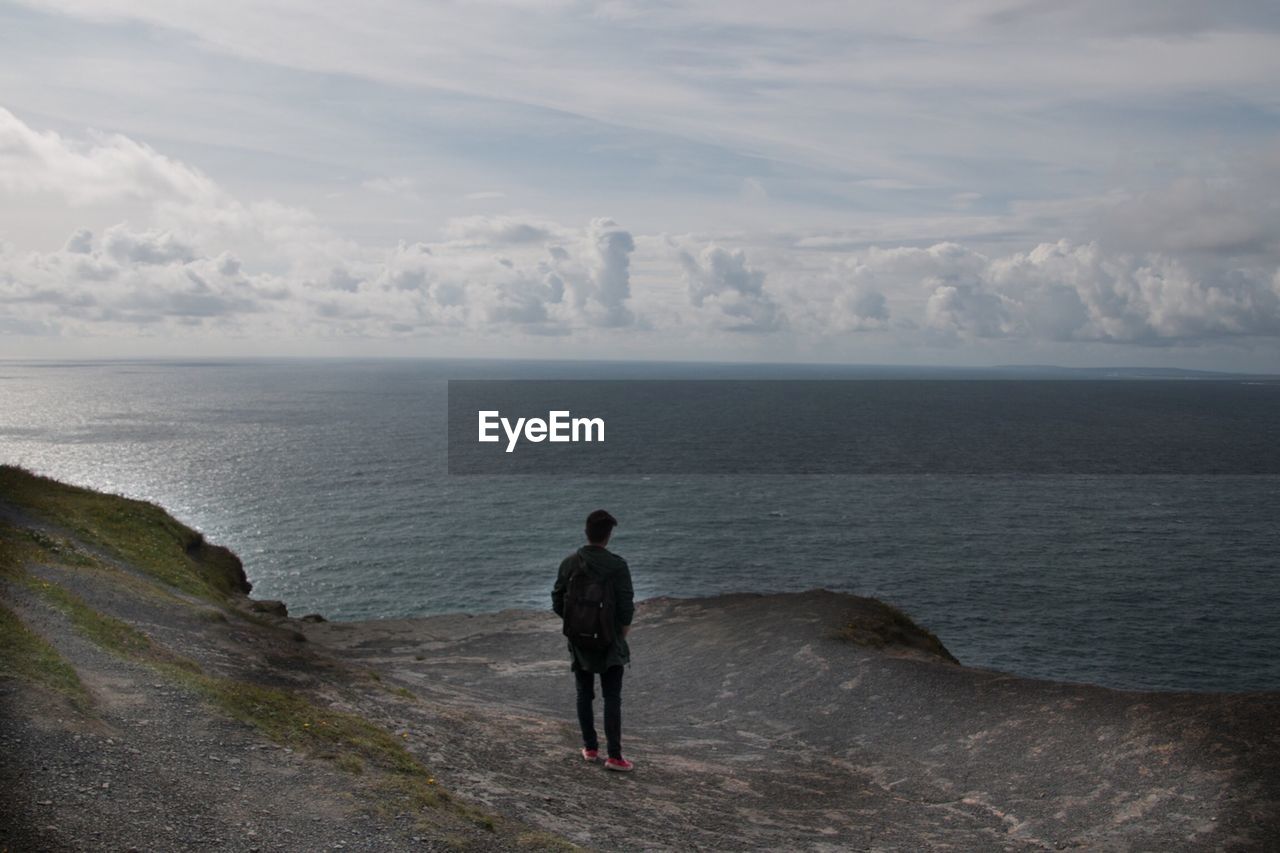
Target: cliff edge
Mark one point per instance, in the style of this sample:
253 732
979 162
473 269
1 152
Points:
149 703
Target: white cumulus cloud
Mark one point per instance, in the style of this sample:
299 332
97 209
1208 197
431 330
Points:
725 286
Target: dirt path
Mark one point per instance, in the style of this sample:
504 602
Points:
755 725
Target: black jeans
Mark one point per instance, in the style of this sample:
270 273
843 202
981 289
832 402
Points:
611 686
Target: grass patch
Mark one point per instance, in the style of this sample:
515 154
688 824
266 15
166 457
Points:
62 550
112 634
285 717
293 720
142 534
413 793
20 547
26 655
350 741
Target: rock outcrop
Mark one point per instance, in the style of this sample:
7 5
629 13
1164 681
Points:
217 564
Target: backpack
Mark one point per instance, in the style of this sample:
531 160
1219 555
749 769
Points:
588 609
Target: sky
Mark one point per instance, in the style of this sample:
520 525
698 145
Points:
986 182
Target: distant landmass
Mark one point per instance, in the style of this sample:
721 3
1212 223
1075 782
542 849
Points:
475 368
1049 371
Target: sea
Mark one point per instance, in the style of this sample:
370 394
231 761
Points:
330 479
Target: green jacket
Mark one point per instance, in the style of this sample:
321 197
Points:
613 569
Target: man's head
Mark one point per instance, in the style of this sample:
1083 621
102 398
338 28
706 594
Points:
599 525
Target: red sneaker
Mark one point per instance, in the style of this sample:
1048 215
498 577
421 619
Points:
590 754
620 764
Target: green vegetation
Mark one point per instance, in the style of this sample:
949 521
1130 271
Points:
286 717
25 654
291 719
350 763
17 546
112 634
20 547
146 536
411 793
63 550
142 534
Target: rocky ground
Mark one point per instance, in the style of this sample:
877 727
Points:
755 723
143 711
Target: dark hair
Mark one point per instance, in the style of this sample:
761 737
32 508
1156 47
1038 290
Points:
599 525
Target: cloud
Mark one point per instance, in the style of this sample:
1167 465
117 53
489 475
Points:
967 311
859 310
130 247
1066 291
130 278
228 264
706 113
79 243
499 230
721 282
398 185
108 167
1063 291
603 295
582 281
525 298
1151 17
471 286
1228 215
1142 298
341 279
200 258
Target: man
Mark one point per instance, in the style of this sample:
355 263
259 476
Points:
608 662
